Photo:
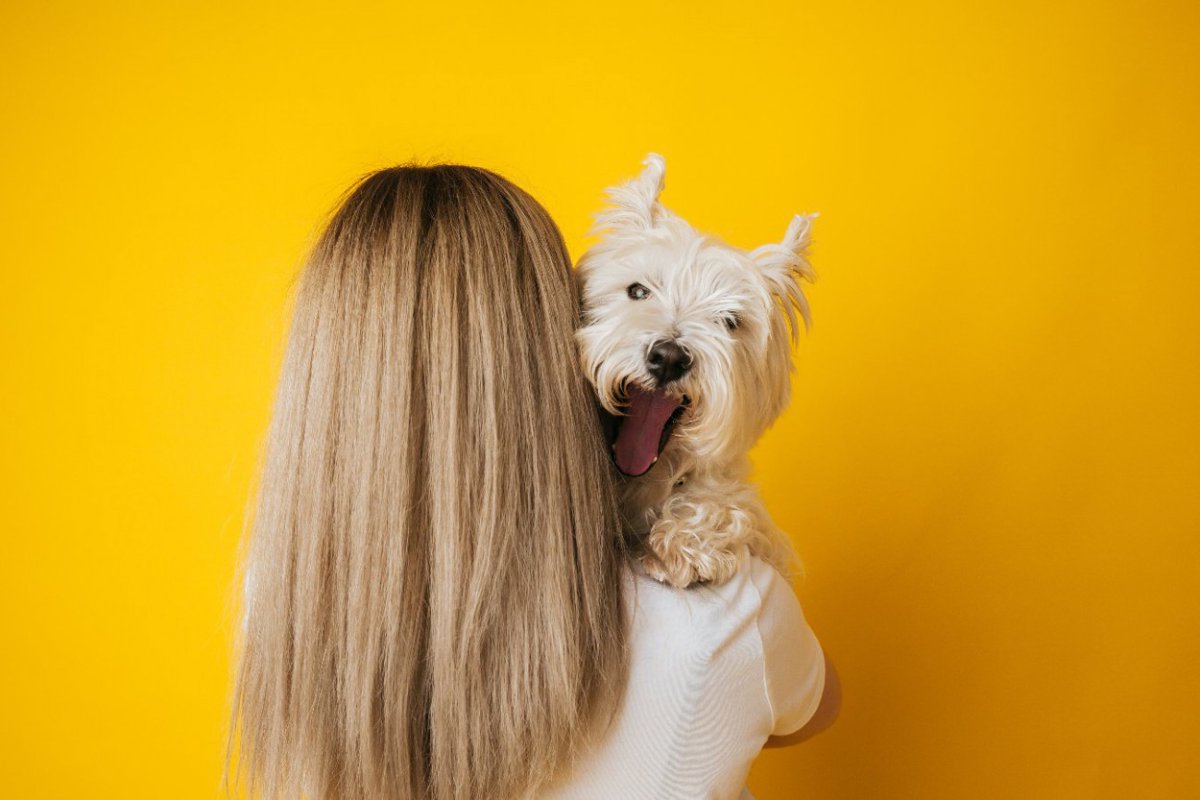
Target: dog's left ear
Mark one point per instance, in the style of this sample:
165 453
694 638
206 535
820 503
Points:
783 265
635 205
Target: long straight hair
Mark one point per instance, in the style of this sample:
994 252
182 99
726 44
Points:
432 602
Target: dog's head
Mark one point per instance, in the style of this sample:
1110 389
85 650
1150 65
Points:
685 337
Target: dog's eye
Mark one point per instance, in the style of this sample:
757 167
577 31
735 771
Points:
731 321
637 292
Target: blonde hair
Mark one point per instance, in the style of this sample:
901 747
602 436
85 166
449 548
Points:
432 604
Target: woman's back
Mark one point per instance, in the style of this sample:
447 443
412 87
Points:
713 672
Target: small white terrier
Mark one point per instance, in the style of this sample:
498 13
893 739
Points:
688 343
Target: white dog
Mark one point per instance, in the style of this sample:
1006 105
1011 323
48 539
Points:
688 343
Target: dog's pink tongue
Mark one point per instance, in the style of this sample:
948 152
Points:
636 446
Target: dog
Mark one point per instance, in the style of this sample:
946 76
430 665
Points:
688 343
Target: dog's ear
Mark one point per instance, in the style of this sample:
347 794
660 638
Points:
783 265
634 204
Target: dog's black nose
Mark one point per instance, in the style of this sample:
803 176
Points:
667 362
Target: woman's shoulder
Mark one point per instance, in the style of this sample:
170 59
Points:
749 633
748 637
700 699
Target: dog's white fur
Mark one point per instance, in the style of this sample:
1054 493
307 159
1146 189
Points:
696 505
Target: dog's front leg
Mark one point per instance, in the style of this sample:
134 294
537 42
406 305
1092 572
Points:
695 538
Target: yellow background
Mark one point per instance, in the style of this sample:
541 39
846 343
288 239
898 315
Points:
991 464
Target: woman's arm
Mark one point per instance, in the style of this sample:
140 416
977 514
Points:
822 718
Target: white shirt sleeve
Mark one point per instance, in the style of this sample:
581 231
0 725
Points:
793 662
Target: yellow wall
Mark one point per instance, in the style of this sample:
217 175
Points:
991 465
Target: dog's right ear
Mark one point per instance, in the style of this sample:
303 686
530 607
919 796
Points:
635 206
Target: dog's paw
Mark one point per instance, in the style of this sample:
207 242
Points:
715 567
682 566
680 576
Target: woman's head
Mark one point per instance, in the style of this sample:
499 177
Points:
432 603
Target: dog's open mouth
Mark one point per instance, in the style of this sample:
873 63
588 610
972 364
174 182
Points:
643 432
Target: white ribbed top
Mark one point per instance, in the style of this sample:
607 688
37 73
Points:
714 671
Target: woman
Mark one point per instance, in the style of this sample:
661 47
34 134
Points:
435 582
